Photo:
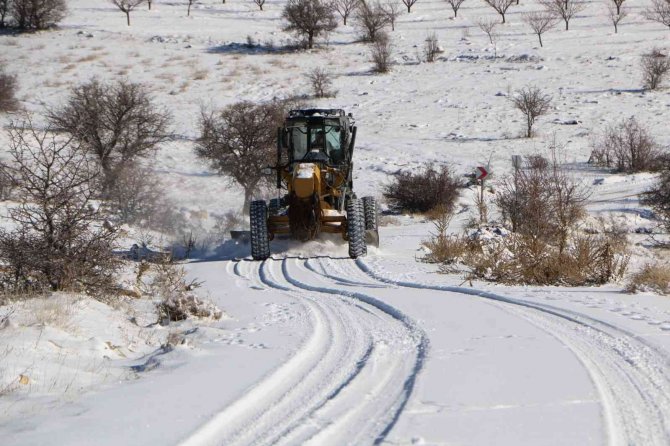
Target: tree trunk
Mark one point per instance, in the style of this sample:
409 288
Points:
188 13
248 192
455 13
310 40
128 17
616 29
344 20
618 9
409 9
503 16
567 24
149 5
539 36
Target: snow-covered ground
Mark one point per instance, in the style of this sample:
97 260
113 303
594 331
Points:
319 349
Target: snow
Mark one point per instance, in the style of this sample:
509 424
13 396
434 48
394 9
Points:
319 349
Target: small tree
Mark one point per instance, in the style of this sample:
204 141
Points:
321 82
409 4
488 26
58 242
564 9
345 8
658 196
628 146
431 47
309 18
239 141
540 22
500 6
126 6
532 103
455 6
616 14
115 123
381 53
371 19
655 66
392 10
616 4
37 15
8 87
659 11
259 3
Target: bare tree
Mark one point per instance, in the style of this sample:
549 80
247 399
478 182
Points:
409 4
617 5
8 87
381 53
455 6
58 242
37 14
345 8
564 9
627 146
431 47
239 141
371 19
655 67
260 3
321 82
532 103
4 12
488 26
126 6
191 2
616 14
309 18
540 22
659 11
393 11
116 123
500 6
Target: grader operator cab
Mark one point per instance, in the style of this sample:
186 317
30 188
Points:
315 168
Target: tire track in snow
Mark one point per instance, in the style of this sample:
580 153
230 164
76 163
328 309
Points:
631 375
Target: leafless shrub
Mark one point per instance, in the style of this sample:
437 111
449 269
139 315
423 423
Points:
532 103
653 277
431 48
127 6
423 190
8 87
659 11
136 196
616 14
321 82
564 9
58 241
116 123
345 8
392 10
259 3
409 4
37 14
658 195
488 26
371 19
444 248
655 67
381 53
455 6
240 140
540 22
627 146
309 19
500 6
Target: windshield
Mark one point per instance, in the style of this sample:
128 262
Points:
321 138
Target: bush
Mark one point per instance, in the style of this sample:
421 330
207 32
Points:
653 277
445 249
655 67
628 147
424 190
136 196
381 53
37 14
371 19
8 87
322 82
658 196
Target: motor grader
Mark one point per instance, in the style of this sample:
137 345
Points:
315 187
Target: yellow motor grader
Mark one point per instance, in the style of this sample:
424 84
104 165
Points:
315 167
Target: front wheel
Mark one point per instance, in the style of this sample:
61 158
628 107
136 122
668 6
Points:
258 225
371 221
356 228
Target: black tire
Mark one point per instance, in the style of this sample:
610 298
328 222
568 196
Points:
258 224
275 206
371 214
356 228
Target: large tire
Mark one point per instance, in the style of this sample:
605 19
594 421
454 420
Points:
371 221
258 224
356 228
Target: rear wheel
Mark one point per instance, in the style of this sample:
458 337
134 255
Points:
371 221
356 228
258 224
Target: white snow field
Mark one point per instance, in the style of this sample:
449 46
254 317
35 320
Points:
319 349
